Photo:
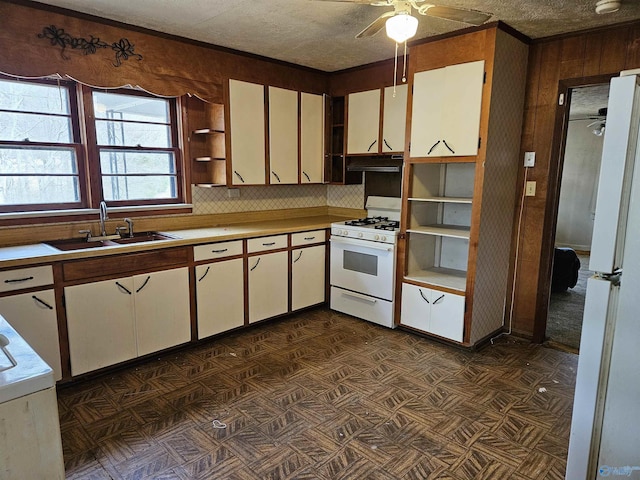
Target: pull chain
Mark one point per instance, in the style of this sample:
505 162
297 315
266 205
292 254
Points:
404 65
395 71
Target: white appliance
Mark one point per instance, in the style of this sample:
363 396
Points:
605 427
30 443
363 262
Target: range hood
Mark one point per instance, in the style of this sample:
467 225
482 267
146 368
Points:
390 164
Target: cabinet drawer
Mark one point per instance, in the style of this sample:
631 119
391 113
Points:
25 278
305 238
266 243
217 250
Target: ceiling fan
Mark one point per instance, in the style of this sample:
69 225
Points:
401 25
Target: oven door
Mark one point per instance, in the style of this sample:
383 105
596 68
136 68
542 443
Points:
363 266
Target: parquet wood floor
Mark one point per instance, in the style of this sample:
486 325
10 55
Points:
321 395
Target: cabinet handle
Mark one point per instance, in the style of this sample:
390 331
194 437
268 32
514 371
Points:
239 176
276 175
423 297
309 238
448 147
18 280
432 147
123 288
219 251
205 274
374 142
305 174
144 284
254 267
268 244
385 142
42 302
299 256
438 299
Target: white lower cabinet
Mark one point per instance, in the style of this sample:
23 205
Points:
433 311
116 320
307 276
268 285
33 315
220 297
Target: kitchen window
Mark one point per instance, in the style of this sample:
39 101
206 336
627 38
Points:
127 154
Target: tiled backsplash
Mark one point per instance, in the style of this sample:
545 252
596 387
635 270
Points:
274 197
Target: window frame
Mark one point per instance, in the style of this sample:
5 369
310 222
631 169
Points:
87 152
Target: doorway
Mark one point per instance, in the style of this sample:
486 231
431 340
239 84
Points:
580 166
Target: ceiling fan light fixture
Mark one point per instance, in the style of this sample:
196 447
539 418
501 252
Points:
401 27
607 6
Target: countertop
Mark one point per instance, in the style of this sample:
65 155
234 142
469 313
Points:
30 374
39 253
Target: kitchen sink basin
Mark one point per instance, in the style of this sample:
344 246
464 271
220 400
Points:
81 243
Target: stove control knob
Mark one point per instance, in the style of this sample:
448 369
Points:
345 232
377 237
360 235
384 238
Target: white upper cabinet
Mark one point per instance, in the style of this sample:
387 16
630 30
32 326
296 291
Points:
283 136
445 119
363 124
247 127
311 138
394 119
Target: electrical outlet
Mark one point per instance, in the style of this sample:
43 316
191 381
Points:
529 159
233 192
530 190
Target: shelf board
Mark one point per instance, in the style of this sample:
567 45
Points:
209 185
442 199
204 131
208 159
455 231
443 277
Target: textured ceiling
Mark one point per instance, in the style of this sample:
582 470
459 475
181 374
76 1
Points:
320 34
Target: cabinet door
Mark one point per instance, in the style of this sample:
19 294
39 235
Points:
220 297
416 307
363 122
33 315
268 286
461 112
283 136
394 119
447 315
246 113
428 103
162 310
307 277
100 323
311 138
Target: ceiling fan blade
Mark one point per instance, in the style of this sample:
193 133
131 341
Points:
375 26
473 17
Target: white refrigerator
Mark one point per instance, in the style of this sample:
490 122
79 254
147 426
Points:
605 426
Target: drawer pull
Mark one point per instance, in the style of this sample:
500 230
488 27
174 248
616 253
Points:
206 272
438 299
423 297
388 146
219 251
122 287
42 302
309 238
144 284
299 257
256 265
239 176
276 175
305 174
372 144
360 297
268 244
448 147
432 147
18 280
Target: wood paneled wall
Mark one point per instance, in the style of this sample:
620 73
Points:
554 65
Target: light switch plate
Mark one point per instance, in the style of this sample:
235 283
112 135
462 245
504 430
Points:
529 159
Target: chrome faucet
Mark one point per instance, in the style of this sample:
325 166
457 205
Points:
103 216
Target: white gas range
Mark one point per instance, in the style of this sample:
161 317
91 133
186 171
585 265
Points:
363 262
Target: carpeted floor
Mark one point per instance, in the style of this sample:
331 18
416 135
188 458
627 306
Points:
564 321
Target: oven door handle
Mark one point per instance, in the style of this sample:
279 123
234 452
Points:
369 244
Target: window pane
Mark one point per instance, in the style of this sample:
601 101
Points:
131 107
16 127
126 162
31 97
138 188
34 189
37 161
133 134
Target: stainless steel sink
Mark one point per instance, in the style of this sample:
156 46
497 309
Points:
82 243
